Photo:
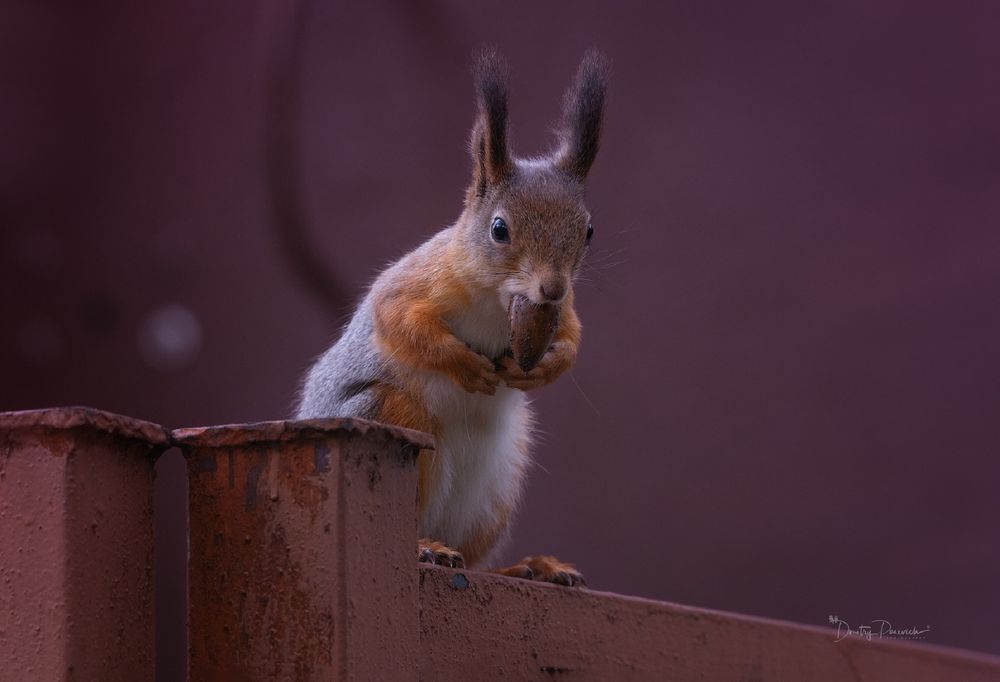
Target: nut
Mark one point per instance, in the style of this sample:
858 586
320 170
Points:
532 326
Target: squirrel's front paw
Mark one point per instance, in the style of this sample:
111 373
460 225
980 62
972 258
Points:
552 364
475 373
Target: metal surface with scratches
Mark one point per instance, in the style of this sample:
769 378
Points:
302 550
76 545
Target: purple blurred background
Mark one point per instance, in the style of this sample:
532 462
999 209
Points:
787 399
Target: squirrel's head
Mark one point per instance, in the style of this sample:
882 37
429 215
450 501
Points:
525 218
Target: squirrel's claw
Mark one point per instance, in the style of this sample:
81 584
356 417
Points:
478 375
487 383
438 553
515 377
556 360
546 569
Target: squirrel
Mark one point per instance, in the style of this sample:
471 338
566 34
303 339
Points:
429 346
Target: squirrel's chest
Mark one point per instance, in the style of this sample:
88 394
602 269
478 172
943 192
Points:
481 441
484 325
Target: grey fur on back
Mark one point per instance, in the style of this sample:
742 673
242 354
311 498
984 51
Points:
340 383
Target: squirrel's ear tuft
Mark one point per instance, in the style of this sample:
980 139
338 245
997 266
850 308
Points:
488 145
583 112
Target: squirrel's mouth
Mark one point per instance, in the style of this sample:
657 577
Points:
512 289
508 290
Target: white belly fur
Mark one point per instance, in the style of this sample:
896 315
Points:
481 455
479 458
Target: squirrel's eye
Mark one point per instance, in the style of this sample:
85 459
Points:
590 232
499 231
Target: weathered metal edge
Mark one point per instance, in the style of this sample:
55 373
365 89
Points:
443 576
79 417
276 431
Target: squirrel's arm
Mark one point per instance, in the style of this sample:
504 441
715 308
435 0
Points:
410 329
557 359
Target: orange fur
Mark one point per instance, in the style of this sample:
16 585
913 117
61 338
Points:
401 408
570 330
545 569
484 538
410 327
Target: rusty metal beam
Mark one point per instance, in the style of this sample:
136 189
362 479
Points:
76 545
302 551
477 626
302 545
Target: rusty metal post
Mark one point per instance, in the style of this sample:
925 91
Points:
76 545
302 551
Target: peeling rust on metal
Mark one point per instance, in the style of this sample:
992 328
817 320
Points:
254 587
65 418
205 464
259 458
307 429
321 457
553 669
299 546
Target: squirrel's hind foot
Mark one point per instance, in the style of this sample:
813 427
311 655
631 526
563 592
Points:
434 552
545 569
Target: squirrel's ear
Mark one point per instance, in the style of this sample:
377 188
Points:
490 154
583 111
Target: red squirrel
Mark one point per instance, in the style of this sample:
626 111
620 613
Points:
429 347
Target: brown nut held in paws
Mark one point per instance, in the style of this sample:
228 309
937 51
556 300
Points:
532 326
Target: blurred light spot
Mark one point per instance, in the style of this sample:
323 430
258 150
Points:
40 340
170 338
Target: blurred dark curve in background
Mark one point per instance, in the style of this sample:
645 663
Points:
282 110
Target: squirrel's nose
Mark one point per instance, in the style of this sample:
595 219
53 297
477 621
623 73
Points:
552 289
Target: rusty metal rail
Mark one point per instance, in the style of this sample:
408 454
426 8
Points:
302 567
